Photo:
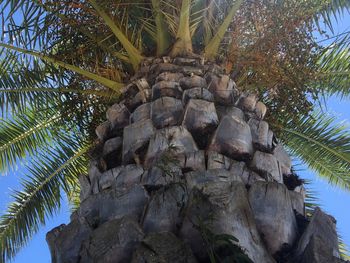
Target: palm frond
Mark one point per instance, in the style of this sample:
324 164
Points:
321 144
17 73
40 197
334 68
32 92
203 21
212 48
25 23
134 54
162 34
170 11
104 81
97 40
183 44
22 136
332 9
311 199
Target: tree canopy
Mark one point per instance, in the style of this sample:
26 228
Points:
63 62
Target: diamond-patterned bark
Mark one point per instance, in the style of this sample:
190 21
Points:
186 160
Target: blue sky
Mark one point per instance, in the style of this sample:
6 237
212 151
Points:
333 200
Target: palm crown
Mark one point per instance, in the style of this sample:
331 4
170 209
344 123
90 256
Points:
63 62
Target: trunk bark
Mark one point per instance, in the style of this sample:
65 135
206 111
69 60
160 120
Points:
188 171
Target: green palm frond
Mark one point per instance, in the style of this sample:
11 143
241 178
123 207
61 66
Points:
40 197
170 11
32 92
321 144
30 84
33 27
332 9
17 73
106 45
334 69
116 86
212 48
133 52
203 22
73 196
23 135
97 40
162 35
311 199
183 34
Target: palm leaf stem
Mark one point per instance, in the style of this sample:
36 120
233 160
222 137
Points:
96 40
183 44
134 54
212 48
162 33
100 93
116 86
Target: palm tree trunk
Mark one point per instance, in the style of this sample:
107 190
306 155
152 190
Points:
187 170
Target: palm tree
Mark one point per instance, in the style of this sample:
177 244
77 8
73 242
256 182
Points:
185 57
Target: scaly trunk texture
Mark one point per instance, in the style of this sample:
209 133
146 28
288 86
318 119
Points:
188 171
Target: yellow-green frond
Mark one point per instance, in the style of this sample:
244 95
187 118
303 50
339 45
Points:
104 81
183 43
212 48
135 55
163 36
